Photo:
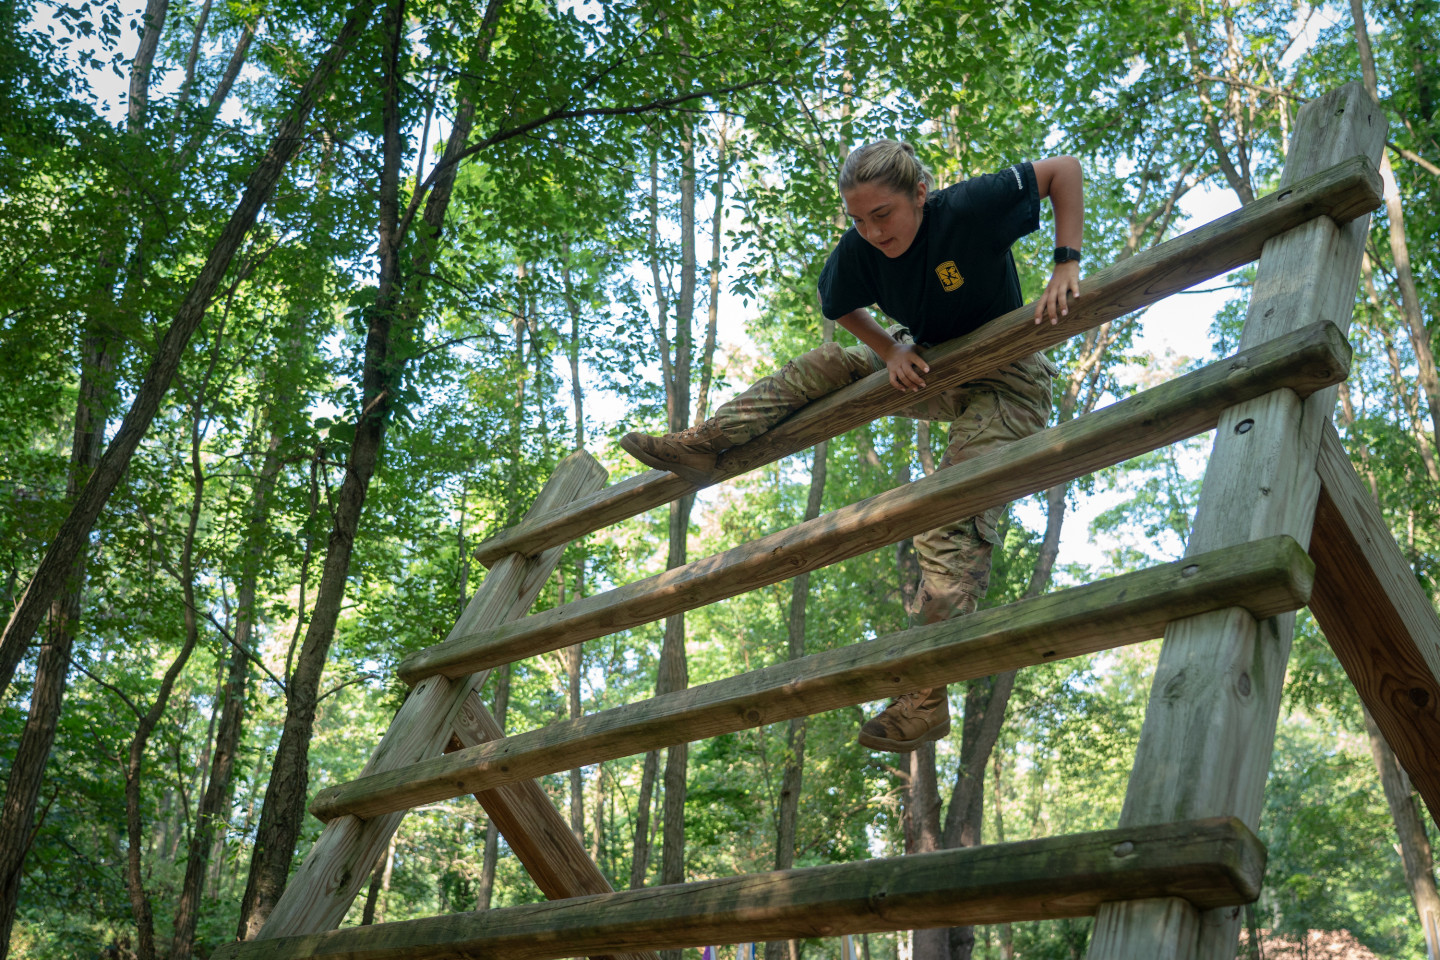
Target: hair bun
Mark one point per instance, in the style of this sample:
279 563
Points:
891 163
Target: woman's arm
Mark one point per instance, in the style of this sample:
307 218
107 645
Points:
903 360
1060 179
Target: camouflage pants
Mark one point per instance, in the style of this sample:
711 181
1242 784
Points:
1006 405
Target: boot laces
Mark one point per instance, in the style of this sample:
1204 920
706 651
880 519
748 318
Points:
909 703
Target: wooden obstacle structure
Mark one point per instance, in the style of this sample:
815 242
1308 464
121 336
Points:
1169 880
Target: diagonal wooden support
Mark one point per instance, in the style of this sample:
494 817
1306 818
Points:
538 836
1208 863
1340 193
1210 724
1303 361
320 893
1266 577
1378 619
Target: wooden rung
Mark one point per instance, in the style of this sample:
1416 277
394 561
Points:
1267 577
1210 863
1303 362
1378 619
1342 193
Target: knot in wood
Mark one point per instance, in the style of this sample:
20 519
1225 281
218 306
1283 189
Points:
1420 697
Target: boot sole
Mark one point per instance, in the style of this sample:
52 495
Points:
702 477
904 746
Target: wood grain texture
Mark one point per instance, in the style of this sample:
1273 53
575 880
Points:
322 889
1266 577
1210 723
1208 863
1303 362
534 830
1170 923
1378 618
1347 190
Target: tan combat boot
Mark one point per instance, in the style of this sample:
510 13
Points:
909 721
689 453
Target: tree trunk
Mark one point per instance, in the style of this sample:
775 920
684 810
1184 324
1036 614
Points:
492 833
388 324
61 570
922 835
572 347
573 656
712 320
134 874
987 698
1006 932
374 911
674 670
47 695
1415 852
640 844
792 778
57 566
212 816
920 816
597 839
1399 245
673 673
98 356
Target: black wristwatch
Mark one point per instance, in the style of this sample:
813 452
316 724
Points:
1066 255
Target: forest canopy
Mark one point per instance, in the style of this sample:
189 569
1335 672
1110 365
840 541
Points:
304 301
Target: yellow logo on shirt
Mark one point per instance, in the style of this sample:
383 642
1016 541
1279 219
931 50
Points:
949 276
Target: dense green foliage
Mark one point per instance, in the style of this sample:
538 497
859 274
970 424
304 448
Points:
544 259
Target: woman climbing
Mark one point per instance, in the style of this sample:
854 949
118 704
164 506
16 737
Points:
938 263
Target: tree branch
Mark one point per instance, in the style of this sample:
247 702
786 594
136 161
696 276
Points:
563 114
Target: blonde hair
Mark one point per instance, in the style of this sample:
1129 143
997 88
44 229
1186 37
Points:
891 163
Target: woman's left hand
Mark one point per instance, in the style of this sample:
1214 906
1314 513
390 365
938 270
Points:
1053 303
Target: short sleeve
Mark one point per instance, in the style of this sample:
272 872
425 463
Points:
843 287
1007 202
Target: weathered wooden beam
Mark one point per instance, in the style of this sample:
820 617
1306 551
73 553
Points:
1266 577
1339 193
1303 362
1209 726
536 833
321 891
1209 863
1378 619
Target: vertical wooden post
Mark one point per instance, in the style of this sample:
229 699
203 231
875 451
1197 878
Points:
1210 725
320 893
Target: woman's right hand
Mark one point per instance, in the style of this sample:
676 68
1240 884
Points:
905 365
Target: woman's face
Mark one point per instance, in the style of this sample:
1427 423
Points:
887 219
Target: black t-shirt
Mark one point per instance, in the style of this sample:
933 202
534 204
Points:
957 273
